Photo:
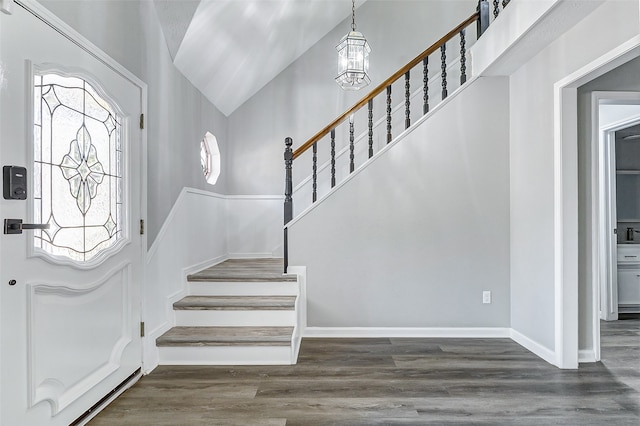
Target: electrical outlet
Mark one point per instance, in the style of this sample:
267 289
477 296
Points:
486 297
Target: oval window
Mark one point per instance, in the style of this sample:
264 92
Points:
210 158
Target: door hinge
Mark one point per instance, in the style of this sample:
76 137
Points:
141 226
142 121
142 329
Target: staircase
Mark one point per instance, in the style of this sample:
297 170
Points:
241 311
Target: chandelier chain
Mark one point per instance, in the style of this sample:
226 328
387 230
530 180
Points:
353 15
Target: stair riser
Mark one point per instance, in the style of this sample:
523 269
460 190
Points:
226 355
208 318
243 289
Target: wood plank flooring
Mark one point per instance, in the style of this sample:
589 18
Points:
252 270
234 303
397 381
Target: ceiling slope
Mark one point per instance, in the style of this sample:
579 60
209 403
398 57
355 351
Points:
232 48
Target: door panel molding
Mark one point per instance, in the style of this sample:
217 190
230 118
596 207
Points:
58 320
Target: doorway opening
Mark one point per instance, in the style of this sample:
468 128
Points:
616 208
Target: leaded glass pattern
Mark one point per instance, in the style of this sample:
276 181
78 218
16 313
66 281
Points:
205 158
78 164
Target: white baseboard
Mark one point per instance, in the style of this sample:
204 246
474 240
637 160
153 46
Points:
192 269
535 347
586 355
406 332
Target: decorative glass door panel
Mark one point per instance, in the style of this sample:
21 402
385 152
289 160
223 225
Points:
78 178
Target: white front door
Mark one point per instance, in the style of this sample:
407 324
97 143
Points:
70 294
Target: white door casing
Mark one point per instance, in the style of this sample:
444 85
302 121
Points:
69 332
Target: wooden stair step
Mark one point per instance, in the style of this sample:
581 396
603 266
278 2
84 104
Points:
226 336
236 303
244 270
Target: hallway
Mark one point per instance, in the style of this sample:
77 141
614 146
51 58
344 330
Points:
397 381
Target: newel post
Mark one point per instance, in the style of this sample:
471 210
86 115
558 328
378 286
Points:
483 17
288 196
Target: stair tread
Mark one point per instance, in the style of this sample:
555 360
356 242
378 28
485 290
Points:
245 270
236 303
226 336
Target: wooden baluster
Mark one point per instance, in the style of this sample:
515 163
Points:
351 146
443 59
425 81
496 8
463 58
370 128
389 114
288 196
314 195
407 100
333 158
483 17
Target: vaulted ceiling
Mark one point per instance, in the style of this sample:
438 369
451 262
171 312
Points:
229 49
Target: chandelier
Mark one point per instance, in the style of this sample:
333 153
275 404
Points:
353 57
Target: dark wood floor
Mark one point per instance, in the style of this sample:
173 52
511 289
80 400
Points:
397 381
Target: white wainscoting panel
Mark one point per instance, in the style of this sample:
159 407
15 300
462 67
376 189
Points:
203 229
62 321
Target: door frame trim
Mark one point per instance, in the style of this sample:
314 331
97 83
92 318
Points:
565 198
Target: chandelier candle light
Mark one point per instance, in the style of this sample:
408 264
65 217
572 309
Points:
353 57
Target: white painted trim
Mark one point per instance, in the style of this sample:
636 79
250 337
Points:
301 310
34 7
187 270
6 6
234 318
565 142
225 355
535 347
370 161
254 197
407 332
586 355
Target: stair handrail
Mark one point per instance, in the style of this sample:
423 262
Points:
382 86
480 16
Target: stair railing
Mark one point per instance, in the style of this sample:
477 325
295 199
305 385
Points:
481 18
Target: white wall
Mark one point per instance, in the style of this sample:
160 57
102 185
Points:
414 238
178 115
532 162
624 78
254 225
304 97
